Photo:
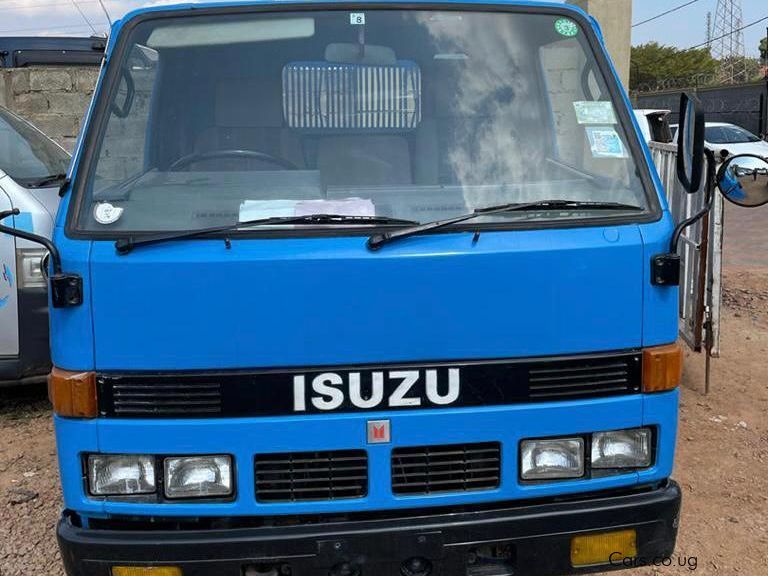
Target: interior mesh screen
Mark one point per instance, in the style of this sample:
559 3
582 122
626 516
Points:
326 96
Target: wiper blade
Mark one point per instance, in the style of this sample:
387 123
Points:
564 205
376 241
47 181
125 245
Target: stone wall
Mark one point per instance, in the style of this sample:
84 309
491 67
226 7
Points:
54 99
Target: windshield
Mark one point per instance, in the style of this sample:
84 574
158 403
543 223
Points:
416 115
729 135
25 154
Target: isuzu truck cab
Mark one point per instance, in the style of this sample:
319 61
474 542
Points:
371 288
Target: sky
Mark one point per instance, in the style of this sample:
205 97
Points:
684 28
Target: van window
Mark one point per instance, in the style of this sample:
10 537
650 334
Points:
25 154
417 115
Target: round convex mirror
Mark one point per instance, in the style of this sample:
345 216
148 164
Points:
744 180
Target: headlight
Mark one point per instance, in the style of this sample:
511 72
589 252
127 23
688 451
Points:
622 449
198 476
30 266
121 474
552 459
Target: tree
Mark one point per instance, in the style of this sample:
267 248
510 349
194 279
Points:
654 63
764 49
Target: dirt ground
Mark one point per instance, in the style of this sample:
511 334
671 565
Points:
722 460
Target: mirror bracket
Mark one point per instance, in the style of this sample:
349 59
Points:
665 270
66 289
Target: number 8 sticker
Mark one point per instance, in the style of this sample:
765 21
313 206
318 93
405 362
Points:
357 18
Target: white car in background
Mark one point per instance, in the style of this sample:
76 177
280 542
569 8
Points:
721 136
32 168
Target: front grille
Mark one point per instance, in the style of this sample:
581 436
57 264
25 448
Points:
163 398
304 476
456 468
584 378
270 392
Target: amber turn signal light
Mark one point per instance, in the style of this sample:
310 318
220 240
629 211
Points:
662 368
73 394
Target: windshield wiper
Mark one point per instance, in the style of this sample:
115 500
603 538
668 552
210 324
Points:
125 245
50 181
376 241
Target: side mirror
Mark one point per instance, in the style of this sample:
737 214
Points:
743 180
690 145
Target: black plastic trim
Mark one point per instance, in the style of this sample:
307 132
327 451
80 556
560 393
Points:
269 392
97 124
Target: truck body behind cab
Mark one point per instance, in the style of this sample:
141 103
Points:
249 387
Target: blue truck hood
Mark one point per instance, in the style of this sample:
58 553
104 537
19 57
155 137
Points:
310 302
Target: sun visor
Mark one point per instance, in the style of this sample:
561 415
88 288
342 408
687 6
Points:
194 34
352 97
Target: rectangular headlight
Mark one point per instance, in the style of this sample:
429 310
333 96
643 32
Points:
198 476
552 459
622 449
121 474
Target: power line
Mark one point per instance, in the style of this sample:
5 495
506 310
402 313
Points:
74 3
665 13
755 23
106 13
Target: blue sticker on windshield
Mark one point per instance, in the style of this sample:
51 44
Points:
606 143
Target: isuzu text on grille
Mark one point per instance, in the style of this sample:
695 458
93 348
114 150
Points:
331 391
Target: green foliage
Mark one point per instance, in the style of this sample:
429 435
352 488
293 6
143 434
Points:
654 62
764 48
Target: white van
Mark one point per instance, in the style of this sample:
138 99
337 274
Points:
32 168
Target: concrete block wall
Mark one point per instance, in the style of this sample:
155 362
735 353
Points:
55 99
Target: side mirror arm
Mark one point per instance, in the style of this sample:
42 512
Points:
665 268
66 289
709 188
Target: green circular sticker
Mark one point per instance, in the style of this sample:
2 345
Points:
567 27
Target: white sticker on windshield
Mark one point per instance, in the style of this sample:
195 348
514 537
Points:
606 143
357 18
595 112
105 213
259 209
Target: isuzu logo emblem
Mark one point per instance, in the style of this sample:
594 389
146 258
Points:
379 432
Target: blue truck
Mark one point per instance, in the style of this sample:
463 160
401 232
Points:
367 288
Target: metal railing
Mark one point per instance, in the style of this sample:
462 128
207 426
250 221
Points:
701 253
